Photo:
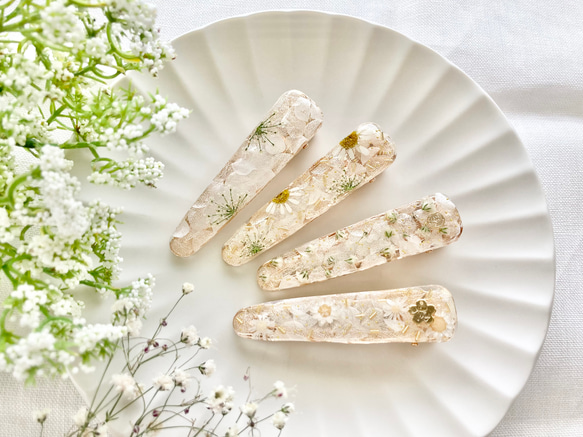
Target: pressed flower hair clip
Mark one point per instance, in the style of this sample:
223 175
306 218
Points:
290 124
354 161
406 315
421 226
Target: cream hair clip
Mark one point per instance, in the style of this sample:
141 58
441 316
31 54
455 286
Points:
289 125
406 315
421 226
354 161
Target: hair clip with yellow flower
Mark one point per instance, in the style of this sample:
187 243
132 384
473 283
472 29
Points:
354 161
406 315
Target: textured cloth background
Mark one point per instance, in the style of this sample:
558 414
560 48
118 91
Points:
528 55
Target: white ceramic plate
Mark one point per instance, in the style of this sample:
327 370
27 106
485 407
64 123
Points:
450 138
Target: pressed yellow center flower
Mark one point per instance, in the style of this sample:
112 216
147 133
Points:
325 310
281 197
350 141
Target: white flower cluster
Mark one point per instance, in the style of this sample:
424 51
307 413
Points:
126 385
58 190
220 399
90 337
60 24
127 174
167 115
142 38
30 300
133 306
106 237
28 356
52 242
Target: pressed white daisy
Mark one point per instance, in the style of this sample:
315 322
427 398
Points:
350 145
262 326
325 313
396 309
283 201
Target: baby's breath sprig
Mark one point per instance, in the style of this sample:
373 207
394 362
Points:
175 399
56 62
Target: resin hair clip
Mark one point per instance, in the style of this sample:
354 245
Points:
406 315
355 160
421 226
289 125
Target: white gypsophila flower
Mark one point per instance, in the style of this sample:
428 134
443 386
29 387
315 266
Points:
88 337
189 336
280 389
205 343
208 367
163 382
220 400
66 305
80 416
288 408
103 220
30 301
187 288
134 305
232 431
41 415
53 252
97 47
249 409
61 25
126 385
181 378
139 18
279 419
130 173
166 118
134 327
58 190
32 352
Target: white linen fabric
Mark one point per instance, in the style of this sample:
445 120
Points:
528 55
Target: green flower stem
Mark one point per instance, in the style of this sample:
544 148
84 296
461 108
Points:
126 56
16 27
101 75
141 397
88 4
7 4
97 285
56 113
4 332
51 319
109 361
90 146
9 199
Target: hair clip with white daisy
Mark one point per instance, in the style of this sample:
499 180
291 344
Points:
405 315
354 161
421 226
289 125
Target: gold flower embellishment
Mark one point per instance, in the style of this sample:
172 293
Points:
422 312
